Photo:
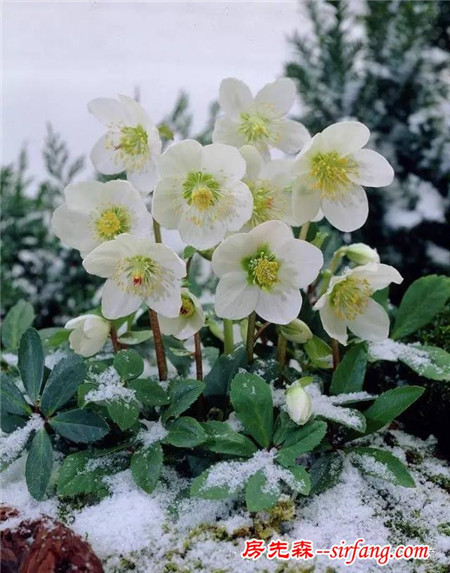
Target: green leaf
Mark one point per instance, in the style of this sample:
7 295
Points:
31 363
422 301
54 336
302 441
146 465
10 422
182 394
18 319
129 364
219 378
325 472
251 397
184 432
200 489
257 496
319 352
381 464
430 361
301 482
348 417
124 413
149 392
284 426
389 405
349 375
12 399
39 464
82 473
135 337
80 426
222 439
62 383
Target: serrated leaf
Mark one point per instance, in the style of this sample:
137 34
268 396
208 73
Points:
17 320
80 426
62 383
325 472
303 440
381 464
389 405
421 302
31 363
129 364
200 489
251 397
182 393
257 495
39 464
12 399
301 482
184 432
149 392
146 465
349 375
222 439
124 413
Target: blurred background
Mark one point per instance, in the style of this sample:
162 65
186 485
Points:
383 63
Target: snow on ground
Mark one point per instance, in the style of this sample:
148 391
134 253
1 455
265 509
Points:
166 531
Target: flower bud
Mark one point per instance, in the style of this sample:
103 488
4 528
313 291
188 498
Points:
296 331
89 334
298 404
362 254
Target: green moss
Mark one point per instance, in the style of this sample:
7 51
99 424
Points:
444 528
404 530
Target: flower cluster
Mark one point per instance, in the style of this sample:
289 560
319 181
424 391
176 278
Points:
233 200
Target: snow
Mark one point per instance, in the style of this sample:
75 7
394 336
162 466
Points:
390 350
12 444
326 407
110 387
154 432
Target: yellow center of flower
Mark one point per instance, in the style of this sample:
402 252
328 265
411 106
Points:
254 127
138 275
187 307
269 203
350 297
202 197
112 222
201 190
133 147
330 172
262 268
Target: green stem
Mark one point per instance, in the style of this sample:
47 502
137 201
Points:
304 231
157 231
251 336
228 336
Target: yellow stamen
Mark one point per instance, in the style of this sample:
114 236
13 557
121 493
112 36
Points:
330 172
350 298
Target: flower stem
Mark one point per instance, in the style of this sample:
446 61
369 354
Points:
159 346
251 335
281 351
228 337
114 339
157 231
336 356
304 231
198 356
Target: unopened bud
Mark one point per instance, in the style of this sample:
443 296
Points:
362 254
298 404
296 331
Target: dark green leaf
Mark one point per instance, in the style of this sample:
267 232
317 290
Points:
39 464
257 496
319 352
381 464
31 363
62 383
12 399
304 440
219 378
251 397
349 375
200 489
18 319
349 417
284 426
129 364
422 301
135 337
221 438
146 465
124 413
430 361
54 336
185 432
182 394
389 405
80 426
149 392
10 422
301 481
325 472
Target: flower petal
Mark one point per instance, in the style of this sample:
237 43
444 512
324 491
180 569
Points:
71 227
254 161
235 298
145 180
168 259
379 275
134 113
291 136
345 137
301 263
278 305
227 131
349 212
164 198
273 233
116 303
223 160
235 97
277 98
103 259
333 326
105 159
166 300
373 169
107 110
180 158
305 202
372 324
228 255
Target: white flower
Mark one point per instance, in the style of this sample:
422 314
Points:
201 193
89 334
190 320
270 185
96 212
348 303
331 169
296 331
361 254
263 270
298 404
137 270
259 120
131 144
